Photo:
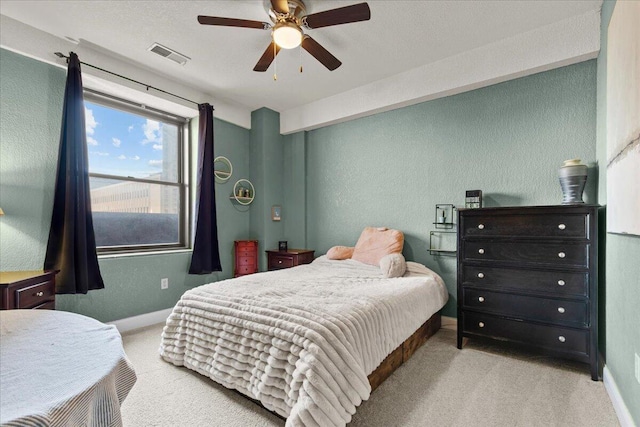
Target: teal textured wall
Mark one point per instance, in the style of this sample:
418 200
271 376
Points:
392 168
295 190
30 114
622 286
266 161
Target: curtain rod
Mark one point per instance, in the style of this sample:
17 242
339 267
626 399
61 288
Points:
62 55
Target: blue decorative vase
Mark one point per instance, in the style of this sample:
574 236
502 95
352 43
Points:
573 177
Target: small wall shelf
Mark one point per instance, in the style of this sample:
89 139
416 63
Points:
444 216
243 192
222 168
442 243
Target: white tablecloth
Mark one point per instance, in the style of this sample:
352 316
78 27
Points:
61 369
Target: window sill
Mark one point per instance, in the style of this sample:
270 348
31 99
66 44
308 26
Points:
146 253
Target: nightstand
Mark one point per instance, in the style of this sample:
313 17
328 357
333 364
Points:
28 289
277 260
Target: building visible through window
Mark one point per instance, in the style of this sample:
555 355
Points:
136 176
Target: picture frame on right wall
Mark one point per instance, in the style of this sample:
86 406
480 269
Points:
276 213
623 120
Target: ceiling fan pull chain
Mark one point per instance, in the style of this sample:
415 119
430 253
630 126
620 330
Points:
275 63
300 57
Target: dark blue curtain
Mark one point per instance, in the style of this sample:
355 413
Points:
206 254
71 248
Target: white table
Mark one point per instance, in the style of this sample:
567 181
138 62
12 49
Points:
61 369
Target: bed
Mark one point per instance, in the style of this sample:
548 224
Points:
309 343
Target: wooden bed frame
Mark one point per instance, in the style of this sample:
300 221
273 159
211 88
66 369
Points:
405 351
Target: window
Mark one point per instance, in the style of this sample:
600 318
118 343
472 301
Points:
136 174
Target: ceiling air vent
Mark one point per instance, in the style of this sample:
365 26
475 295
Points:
168 53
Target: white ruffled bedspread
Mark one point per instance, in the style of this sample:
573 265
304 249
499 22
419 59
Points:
301 340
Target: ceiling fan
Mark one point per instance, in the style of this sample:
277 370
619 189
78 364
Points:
289 19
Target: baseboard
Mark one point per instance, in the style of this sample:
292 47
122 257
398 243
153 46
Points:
137 322
624 416
450 323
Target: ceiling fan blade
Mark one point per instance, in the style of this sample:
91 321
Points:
267 57
232 22
342 15
320 53
280 6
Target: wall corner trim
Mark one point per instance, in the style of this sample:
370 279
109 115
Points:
141 321
450 323
624 416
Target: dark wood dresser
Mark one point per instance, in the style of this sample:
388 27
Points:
277 260
28 289
529 275
246 255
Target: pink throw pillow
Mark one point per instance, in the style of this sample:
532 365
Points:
340 252
376 242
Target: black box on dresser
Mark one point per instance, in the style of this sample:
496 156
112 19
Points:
529 275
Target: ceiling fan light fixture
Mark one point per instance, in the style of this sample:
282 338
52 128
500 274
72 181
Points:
287 35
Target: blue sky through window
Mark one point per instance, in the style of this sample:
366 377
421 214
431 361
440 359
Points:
121 143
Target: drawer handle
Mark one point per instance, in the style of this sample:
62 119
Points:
561 254
481 226
561 338
560 309
562 226
481 275
481 324
279 261
481 299
39 294
561 282
481 251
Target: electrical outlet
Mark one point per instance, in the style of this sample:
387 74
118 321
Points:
164 283
638 368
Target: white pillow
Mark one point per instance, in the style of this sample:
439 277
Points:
393 265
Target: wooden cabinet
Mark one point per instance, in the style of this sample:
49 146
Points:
529 275
277 260
28 289
246 256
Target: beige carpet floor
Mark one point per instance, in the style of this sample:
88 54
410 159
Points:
484 384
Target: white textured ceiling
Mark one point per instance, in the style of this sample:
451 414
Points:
400 36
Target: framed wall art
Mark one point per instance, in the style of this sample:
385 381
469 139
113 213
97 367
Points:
276 212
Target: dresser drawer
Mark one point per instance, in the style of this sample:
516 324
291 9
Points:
246 250
34 295
49 305
279 261
246 269
560 312
246 243
557 254
246 246
246 260
561 283
554 338
527 225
